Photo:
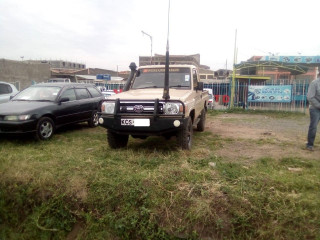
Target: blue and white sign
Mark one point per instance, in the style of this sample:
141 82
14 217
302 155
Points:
269 93
104 76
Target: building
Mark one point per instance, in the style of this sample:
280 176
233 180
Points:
23 73
91 75
281 69
206 74
61 64
79 74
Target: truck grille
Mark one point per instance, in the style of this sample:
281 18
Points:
140 107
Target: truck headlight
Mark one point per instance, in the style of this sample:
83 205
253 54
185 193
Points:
172 108
16 117
108 107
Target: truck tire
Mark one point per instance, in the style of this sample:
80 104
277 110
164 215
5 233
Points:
45 128
185 135
202 123
117 140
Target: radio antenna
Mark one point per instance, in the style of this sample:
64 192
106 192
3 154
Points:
168 27
166 95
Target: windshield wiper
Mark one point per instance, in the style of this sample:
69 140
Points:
43 100
147 87
178 86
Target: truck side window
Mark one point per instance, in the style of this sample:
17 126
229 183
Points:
195 78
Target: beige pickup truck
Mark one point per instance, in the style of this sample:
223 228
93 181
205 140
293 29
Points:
143 109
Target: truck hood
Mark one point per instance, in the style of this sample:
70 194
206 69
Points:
152 93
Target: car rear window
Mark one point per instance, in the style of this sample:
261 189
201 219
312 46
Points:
94 92
82 93
5 88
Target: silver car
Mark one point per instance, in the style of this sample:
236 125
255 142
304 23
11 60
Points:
7 90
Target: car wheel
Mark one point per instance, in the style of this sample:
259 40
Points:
185 135
117 140
45 128
202 123
94 120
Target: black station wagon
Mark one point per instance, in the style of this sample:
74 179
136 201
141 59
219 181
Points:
42 108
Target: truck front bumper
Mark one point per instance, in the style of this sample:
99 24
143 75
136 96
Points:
152 125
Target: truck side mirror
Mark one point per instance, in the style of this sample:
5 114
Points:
200 86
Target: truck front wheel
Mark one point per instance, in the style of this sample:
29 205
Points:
185 135
117 140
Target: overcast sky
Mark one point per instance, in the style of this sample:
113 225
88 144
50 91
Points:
107 33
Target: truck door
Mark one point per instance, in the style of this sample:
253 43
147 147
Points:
197 96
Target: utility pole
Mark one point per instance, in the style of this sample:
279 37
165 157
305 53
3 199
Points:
144 33
233 84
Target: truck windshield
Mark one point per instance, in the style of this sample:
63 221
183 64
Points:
154 78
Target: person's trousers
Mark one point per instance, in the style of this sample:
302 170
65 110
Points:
314 120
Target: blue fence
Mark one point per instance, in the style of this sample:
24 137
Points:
286 97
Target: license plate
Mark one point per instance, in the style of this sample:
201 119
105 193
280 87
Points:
136 122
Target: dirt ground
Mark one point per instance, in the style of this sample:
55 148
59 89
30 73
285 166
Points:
249 137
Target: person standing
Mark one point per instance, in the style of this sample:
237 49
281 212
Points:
313 97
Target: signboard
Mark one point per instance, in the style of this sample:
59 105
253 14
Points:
104 76
269 93
292 59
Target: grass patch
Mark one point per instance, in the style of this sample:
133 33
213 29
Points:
75 187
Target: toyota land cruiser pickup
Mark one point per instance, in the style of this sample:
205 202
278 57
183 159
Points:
146 108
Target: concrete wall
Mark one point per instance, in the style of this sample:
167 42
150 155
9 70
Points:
23 74
61 64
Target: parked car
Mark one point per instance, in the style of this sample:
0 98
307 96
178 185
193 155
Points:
42 108
7 90
211 101
108 93
62 80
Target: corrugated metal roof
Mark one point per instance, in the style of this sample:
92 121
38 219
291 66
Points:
88 77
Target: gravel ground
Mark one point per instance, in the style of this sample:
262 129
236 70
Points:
252 136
